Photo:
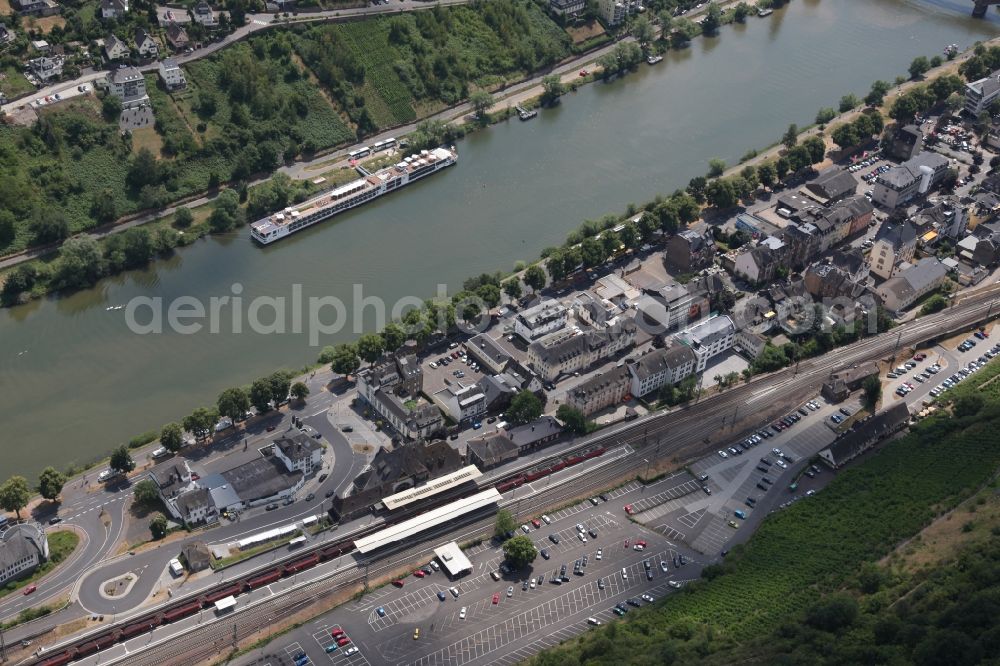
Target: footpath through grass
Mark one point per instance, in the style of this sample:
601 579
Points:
806 551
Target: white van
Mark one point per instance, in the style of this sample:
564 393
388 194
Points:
161 452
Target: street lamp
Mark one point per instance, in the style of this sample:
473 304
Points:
645 476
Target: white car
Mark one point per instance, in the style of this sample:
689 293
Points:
461 613
723 454
781 464
104 476
624 574
674 584
598 554
594 621
351 650
526 529
532 584
580 528
583 537
546 520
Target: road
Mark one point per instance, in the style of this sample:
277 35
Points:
680 435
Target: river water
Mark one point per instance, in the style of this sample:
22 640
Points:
75 380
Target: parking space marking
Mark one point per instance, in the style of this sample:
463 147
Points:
537 617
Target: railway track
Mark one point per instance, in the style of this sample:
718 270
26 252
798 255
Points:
677 434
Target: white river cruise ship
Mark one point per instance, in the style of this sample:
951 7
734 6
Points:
292 219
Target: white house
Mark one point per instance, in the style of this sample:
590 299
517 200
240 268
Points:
660 368
145 44
299 452
172 75
116 49
462 403
616 11
709 338
980 94
204 15
546 317
22 548
46 68
907 287
128 85
114 8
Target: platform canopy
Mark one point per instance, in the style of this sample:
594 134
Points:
414 526
433 487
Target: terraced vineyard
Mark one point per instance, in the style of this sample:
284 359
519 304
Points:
382 69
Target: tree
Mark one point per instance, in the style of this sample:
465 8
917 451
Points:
524 407
504 523
967 405
482 101
172 437
158 526
300 391
877 93
534 277
50 483
146 493
643 31
121 461
201 421
716 167
954 102
935 303
816 148
260 395
713 19
834 613
7 227
226 213
512 288
767 174
740 12
143 170
345 359
552 89
393 337
825 115
111 108
573 419
520 551
49 225
233 403
872 387
281 386
848 102
15 495
845 135
791 136
370 347
919 67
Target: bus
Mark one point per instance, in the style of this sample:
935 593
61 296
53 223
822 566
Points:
359 153
296 542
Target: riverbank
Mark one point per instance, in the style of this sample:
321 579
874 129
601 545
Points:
35 281
520 187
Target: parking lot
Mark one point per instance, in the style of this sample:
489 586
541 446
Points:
501 618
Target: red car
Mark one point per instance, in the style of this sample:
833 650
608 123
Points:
337 633
537 523
397 583
419 574
628 509
343 640
496 598
30 589
270 428
626 543
919 357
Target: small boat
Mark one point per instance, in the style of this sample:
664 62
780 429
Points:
767 11
653 59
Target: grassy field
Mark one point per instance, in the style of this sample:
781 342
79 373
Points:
809 550
12 82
